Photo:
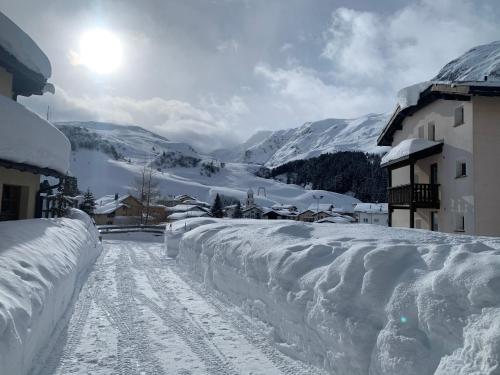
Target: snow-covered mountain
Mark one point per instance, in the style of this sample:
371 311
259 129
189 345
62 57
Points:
474 65
108 172
309 140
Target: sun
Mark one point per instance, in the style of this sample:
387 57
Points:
100 51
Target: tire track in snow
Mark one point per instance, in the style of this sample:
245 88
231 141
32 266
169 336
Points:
128 319
252 333
182 324
68 340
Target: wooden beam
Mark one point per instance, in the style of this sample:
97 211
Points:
412 204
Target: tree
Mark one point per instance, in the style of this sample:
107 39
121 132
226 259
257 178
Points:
146 188
237 214
88 204
216 209
59 207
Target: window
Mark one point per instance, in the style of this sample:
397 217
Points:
431 131
365 220
460 223
434 221
461 169
421 132
459 116
11 202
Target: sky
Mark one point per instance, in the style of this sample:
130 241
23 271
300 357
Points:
213 72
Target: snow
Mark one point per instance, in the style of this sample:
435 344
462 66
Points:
186 215
139 314
16 42
27 138
477 63
43 263
371 208
309 140
407 147
108 204
357 299
410 95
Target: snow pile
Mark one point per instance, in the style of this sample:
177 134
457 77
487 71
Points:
16 42
27 138
43 263
477 63
359 299
407 147
410 95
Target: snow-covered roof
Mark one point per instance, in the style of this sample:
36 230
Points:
336 219
185 215
322 207
17 43
410 95
108 204
284 207
185 208
372 208
27 138
406 148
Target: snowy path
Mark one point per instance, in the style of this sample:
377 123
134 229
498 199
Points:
138 314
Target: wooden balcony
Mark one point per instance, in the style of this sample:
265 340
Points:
414 196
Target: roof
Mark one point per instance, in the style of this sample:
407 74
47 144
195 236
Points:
372 208
185 208
185 215
421 95
107 204
28 139
20 55
322 207
409 150
337 220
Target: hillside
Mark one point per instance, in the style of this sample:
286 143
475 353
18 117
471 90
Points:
309 140
192 174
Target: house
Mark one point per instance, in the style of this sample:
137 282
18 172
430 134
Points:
30 147
327 207
184 211
307 216
282 207
253 212
186 215
372 213
116 209
157 213
444 159
321 215
337 219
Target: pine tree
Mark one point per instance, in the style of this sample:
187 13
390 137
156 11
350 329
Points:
59 207
237 214
88 204
216 209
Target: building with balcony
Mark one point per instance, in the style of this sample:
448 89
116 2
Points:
443 165
30 147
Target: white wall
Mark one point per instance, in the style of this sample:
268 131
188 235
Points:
457 194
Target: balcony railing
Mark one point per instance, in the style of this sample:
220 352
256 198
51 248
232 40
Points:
421 195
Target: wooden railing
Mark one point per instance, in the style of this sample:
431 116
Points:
421 195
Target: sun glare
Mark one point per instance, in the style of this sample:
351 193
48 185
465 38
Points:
100 51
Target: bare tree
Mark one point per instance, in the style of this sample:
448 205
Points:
146 188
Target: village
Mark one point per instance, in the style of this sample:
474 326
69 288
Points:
254 258
128 210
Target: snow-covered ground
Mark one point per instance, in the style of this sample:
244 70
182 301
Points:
356 299
138 314
43 264
104 176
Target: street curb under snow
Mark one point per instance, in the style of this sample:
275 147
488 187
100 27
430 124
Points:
357 299
43 264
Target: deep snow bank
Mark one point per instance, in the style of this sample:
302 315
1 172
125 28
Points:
359 299
42 265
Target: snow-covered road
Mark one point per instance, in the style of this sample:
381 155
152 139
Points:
138 314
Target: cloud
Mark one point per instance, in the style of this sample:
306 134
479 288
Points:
371 56
230 45
205 127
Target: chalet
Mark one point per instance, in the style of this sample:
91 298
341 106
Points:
253 212
371 213
321 215
444 158
30 147
307 215
115 209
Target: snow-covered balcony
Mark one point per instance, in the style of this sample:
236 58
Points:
29 143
